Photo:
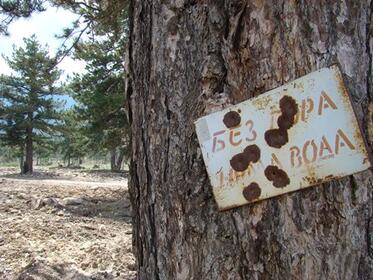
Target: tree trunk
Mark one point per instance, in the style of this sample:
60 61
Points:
21 159
28 168
120 159
189 58
112 160
116 159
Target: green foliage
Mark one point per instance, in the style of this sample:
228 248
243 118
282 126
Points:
13 9
8 154
73 144
27 109
100 96
100 91
97 18
103 17
98 123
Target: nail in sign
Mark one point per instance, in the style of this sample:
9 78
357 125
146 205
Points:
299 135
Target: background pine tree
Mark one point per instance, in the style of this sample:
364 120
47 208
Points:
28 112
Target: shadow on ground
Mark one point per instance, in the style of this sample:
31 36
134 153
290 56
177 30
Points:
42 271
119 210
45 175
59 173
35 176
108 173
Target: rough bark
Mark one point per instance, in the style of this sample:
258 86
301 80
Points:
188 58
28 164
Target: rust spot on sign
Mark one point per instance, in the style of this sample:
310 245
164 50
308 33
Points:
241 161
313 180
277 138
252 152
252 192
288 106
232 119
278 176
285 122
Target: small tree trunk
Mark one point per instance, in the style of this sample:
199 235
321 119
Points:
28 168
119 160
21 159
114 160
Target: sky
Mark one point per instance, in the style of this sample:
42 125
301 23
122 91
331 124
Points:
45 25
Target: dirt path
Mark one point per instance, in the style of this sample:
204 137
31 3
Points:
65 225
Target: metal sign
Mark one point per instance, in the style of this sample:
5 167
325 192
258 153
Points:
299 135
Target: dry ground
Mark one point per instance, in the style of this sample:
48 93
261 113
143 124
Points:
65 224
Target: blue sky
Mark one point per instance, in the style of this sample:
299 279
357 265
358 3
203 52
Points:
69 101
45 25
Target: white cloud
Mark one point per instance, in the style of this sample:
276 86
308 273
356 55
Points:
70 66
4 68
45 25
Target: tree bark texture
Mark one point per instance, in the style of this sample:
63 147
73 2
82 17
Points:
189 58
28 165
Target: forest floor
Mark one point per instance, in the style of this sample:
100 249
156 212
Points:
65 224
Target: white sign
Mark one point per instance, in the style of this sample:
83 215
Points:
301 134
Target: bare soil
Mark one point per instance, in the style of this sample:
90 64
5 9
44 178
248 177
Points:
65 224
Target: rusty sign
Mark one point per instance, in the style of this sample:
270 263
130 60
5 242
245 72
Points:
299 135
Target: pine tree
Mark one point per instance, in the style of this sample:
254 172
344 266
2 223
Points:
101 100
28 112
73 143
